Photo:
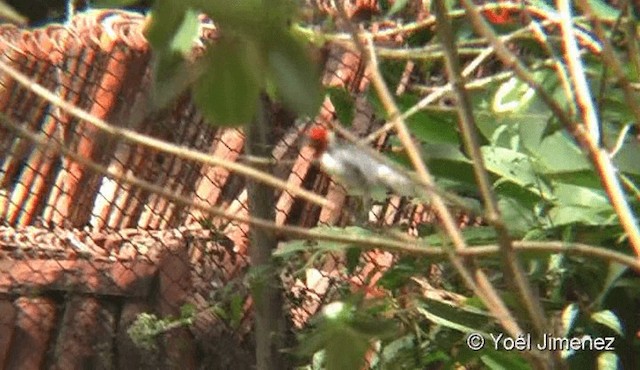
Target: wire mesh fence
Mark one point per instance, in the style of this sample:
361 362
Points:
84 253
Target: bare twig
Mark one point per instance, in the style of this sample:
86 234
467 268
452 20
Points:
599 156
612 61
473 277
576 71
148 141
411 246
512 268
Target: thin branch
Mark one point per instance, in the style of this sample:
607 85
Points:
470 276
576 71
55 146
612 61
512 268
411 247
344 38
560 69
599 156
151 142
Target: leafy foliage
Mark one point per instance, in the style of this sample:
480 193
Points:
546 186
255 52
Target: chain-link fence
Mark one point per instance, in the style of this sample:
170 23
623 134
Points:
84 252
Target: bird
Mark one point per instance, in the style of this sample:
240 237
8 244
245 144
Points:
360 172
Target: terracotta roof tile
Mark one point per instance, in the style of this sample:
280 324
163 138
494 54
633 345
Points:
64 288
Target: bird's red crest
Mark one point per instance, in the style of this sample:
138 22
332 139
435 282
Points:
318 133
318 139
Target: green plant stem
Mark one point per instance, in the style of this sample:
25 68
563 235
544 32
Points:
266 289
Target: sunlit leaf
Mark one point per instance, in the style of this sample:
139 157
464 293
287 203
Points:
608 361
515 167
603 10
557 153
566 215
569 315
569 194
182 41
608 319
627 159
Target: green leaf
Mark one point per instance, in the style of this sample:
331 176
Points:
569 315
343 103
567 215
393 349
376 103
353 258
166 18
503 360
627 159
518 219
296 78
294 247
345 337
603 10
608 361
580 204
346 350
558 153
569 194
182 41
228 91
515 167
465 319
445 152
608 319
472 235
188 311
435 126
615 272
429 125
261 21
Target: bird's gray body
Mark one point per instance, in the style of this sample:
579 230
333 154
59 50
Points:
361 173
